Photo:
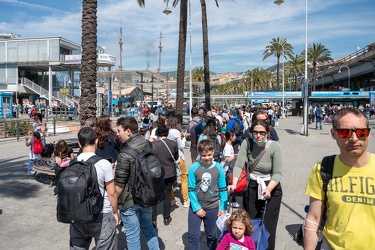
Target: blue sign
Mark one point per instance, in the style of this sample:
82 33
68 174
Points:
339 93
174 95
316 94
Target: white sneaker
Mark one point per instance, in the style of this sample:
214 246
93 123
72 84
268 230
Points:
186 203
31 172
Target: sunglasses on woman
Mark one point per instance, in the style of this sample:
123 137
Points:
347 133
262 133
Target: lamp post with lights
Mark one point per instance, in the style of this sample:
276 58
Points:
348 74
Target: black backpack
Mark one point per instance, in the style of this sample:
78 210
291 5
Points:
48 150
217 148
237 128
199 129
79 198
148 187
326 171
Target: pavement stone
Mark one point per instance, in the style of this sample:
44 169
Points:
29 220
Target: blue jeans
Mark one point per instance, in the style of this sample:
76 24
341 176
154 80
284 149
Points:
103 230
134 219
194 228
29 166
318 120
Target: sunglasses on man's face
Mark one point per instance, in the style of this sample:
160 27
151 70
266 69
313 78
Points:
347 133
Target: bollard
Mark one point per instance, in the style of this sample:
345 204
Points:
54 126
5 130
18 130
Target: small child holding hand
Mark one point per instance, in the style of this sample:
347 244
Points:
228 151
239 227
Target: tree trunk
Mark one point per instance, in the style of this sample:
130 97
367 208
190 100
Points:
314 76
87 101
278 74
181 56
206 60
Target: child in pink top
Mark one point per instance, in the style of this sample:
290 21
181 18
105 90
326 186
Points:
239 227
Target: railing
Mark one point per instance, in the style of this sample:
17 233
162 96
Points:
16 128
368 51
43 92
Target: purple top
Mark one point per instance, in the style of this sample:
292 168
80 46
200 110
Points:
229 242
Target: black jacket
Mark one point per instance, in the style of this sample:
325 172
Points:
125 170
165 157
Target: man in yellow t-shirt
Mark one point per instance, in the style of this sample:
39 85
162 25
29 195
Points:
350 204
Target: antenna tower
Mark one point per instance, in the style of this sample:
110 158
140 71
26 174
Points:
160 49
120 43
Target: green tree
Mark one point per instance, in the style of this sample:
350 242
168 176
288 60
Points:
278 47
317 53
87 114
197 74
296 65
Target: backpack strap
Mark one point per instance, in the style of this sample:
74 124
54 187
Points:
130 151
326 171
259 157
94 159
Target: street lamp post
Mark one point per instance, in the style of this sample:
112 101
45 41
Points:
110 94
251 85
305 82
283 79
64 92
348 74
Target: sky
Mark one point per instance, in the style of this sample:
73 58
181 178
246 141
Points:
238 30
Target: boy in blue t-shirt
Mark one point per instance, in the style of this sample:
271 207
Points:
207 194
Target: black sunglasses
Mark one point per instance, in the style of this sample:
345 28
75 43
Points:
347 133
262 133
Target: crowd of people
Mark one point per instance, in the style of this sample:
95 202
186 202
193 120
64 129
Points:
224 143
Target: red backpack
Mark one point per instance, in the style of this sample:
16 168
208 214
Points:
37 146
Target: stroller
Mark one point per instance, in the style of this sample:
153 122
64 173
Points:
260 234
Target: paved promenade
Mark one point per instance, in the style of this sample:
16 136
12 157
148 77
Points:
29 220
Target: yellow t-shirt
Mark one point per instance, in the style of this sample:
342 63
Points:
351 204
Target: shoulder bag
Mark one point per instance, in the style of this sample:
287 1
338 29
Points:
178 169
243 180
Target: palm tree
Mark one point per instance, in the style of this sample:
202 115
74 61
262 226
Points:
197 74
181 53
278 47
87 114
317 53
297 64
206 63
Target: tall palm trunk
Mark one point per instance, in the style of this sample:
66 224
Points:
206 61
278 73
87 103
314 76
181 56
